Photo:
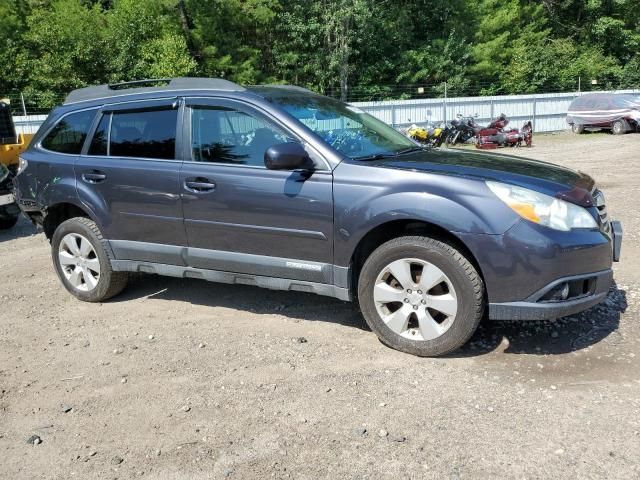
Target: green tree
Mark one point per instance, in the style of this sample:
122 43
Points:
144 40
62 49
503 23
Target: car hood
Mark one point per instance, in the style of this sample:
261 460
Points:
554 180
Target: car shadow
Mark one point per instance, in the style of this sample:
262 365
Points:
564 335
547 337
24 228
294 305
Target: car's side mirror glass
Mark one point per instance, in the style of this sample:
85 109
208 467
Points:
287 156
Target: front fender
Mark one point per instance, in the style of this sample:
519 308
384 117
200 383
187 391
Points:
457 205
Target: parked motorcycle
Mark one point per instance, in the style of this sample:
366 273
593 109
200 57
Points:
463 130
497 134
429 134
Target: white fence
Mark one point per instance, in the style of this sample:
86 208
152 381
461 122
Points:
28 123
547 111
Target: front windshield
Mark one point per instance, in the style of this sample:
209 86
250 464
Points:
626 101
347 129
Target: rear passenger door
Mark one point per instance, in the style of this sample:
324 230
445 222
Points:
129 176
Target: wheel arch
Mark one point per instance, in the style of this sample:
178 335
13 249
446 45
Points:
389 230
62 211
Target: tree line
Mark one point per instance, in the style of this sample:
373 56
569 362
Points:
346 48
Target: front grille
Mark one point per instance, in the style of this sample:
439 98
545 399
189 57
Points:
598 199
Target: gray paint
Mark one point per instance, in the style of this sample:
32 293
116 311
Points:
270 282
228 261
302 230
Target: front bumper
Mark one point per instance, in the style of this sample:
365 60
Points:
522 268
534 309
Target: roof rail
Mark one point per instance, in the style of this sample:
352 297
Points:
138 86
280 86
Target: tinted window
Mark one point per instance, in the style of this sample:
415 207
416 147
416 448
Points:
146 134
225 135
69 134
99 141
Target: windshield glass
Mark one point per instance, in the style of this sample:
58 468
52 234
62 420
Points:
626 101
347 129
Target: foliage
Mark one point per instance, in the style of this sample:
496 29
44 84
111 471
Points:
351 48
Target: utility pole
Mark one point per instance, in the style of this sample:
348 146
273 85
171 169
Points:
444 103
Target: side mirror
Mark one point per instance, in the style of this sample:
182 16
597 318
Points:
287 156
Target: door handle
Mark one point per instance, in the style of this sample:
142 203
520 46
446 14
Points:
95 176
199 185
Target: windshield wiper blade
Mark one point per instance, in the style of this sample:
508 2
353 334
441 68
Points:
377 156
410 150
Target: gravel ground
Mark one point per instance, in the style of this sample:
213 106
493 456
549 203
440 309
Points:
183 379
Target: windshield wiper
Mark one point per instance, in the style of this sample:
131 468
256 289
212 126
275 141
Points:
380 156
376 156
410 150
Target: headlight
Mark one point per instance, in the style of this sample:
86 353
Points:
22 165
543 209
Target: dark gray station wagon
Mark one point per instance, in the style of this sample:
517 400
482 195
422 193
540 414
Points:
278 187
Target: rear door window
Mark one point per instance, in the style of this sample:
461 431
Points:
69 134
139 134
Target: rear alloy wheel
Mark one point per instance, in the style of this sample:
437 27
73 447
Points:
420 296
82 263
577 128
619 127
79 262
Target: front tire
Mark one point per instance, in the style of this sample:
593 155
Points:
82 263
619 127
577 128
421 296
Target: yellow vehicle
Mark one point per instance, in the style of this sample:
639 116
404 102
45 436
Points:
11 145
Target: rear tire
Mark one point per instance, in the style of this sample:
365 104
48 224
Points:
82 263
433 309
619 127
577 129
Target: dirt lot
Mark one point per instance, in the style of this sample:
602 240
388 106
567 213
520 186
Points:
183 379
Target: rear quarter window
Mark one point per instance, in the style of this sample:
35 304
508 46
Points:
70 132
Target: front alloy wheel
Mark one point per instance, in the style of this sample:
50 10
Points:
619 127
420 295
415 299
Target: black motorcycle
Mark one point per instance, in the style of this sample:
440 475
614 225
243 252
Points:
463 130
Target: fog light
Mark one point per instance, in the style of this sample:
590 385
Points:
557 293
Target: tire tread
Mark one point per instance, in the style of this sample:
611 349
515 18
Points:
470 271
117 280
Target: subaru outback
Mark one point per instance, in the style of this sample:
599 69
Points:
278 187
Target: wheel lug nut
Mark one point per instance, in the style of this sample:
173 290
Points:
419 292
406 300
424 302
408 290
415 307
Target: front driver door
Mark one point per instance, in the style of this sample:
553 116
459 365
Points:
241 217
